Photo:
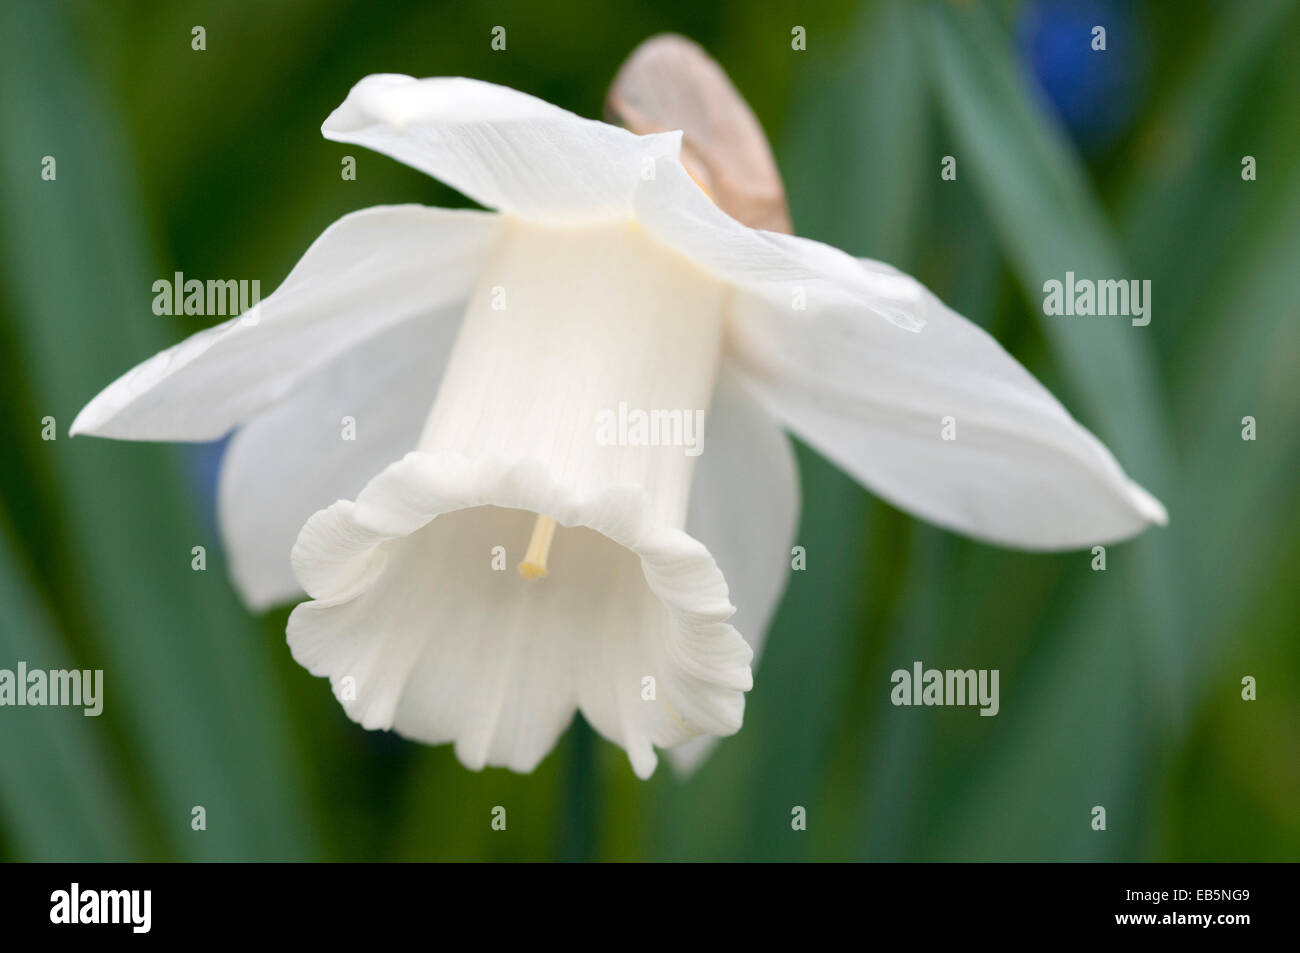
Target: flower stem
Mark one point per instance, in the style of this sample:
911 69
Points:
578 802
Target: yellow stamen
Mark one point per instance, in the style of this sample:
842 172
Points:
534 564
676 717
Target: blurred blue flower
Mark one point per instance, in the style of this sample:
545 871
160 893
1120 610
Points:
1095 92
203 466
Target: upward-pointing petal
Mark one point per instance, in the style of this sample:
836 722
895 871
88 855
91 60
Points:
1011 466
367 272
503 148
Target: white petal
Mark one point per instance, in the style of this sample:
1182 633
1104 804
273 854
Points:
503 148
440 646
367 272
292 459
1021 471
786 271
745 508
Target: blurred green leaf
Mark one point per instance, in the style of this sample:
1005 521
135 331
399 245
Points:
1186 157
449 810
61 800
177 651
1229 282
859 140
1046 217
1247 487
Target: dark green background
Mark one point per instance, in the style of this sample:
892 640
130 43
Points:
1119 688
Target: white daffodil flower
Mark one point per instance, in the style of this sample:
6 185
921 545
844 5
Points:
478 352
